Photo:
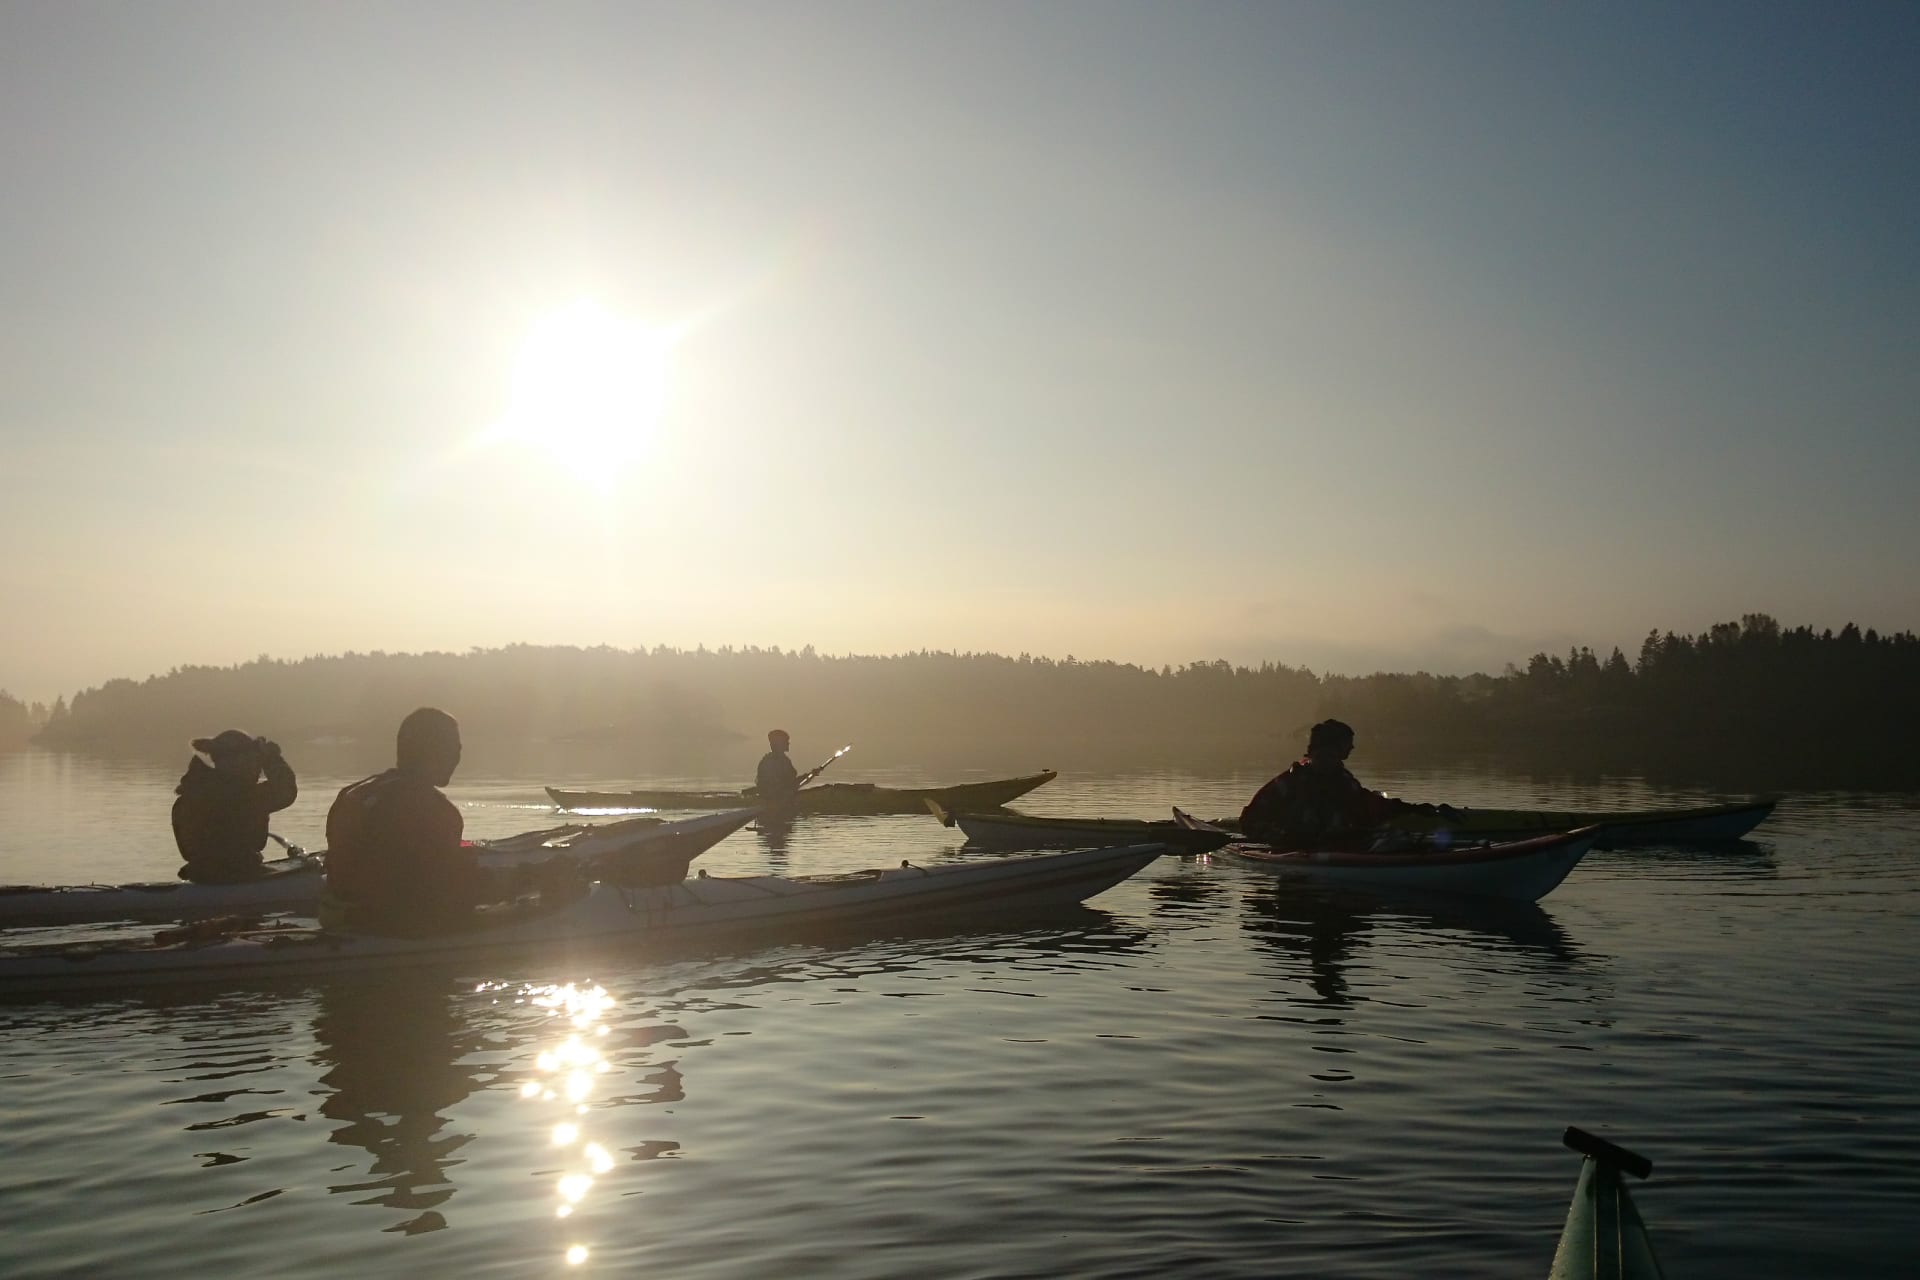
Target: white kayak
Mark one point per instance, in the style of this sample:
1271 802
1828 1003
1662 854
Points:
1521 870
605 917
639 848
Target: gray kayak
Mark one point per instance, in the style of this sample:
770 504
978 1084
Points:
639 848
602 919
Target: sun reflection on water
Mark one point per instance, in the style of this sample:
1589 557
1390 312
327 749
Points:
566 1075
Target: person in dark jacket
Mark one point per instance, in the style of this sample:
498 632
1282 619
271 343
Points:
220 816
1316 802
395 862
775 781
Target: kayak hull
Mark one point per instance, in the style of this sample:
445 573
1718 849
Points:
1707 824
289 884
640 849
607 917
1521 871
828 798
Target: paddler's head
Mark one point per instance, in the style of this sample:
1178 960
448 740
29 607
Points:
232 751
1330 742
429 745
777 739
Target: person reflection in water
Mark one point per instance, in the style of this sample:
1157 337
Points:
395 864
776 833
393 1055
1316 803
220 816
1320 931
776 779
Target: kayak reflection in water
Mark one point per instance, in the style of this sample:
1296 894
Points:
776 779
395 864
1316 803
220 817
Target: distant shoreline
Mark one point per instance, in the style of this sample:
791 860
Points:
1773 707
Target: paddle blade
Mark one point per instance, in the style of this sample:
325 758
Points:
820 768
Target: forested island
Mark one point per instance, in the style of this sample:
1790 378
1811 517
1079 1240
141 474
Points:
1750 694
19 721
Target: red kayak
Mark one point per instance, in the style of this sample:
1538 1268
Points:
1522 870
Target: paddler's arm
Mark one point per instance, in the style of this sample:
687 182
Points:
277 789
1381 807
459 882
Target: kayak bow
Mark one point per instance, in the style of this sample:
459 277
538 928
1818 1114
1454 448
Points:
1604 1238
1710 824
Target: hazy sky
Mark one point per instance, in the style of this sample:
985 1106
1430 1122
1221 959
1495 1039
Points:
1352 335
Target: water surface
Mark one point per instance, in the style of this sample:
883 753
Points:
1202 1073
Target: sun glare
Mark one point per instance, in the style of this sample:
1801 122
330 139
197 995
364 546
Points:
588 388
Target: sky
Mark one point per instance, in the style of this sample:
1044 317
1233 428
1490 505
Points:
1353 336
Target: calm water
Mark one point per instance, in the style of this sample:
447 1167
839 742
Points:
1201 1074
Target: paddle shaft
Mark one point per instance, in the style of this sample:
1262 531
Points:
820 768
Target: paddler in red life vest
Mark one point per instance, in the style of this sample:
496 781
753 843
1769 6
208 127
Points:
395 864
1316 803
220 817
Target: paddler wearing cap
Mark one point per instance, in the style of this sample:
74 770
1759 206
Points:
220 817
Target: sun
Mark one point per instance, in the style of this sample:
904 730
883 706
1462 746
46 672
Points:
589 388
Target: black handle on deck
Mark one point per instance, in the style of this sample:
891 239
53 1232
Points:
1600 1149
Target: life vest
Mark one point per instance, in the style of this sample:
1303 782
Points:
1311 803
395 863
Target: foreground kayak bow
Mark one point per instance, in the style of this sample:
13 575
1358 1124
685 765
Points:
1604 1236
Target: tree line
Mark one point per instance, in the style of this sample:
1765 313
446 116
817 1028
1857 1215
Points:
698 696
19 721
1749 697
1746 692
